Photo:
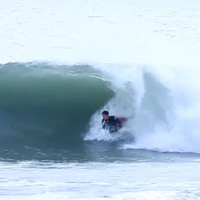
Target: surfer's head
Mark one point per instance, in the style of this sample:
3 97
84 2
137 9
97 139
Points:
105 114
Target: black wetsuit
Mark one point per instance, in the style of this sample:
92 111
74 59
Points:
112 124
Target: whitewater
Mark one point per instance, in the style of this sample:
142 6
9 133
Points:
62 63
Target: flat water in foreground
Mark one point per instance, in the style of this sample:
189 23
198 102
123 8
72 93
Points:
103 174
99 180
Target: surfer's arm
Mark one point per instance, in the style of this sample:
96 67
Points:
103 124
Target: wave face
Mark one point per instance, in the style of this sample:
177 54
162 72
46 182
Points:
43 104
49 105
46 105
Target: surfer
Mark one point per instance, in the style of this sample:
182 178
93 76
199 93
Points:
110 123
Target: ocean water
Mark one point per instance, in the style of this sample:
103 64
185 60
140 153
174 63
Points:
62 63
